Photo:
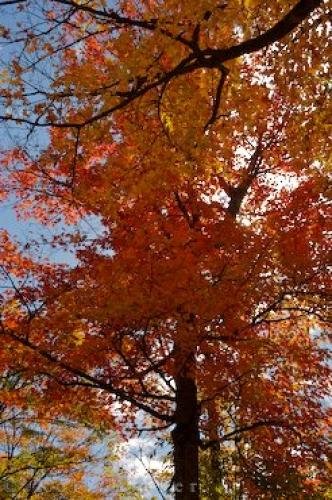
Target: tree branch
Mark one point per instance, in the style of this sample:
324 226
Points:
282 28
197 59
106 386
214 115
246 428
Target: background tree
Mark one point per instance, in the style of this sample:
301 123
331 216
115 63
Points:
194 134
45 457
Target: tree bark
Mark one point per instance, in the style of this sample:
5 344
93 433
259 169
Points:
186 440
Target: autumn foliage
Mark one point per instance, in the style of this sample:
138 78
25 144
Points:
194 136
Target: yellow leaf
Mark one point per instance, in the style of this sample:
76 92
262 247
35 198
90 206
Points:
168 122
79 336
250 4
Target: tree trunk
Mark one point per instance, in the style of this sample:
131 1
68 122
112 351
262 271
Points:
186 440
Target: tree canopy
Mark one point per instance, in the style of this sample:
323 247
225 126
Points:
195 135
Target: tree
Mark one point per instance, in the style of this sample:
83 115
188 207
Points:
196 136
45 457
261 464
